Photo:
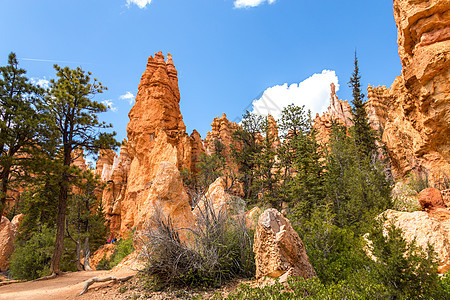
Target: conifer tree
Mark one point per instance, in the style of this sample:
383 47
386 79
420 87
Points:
246 148
85 220
75 116
20 123
308 185
363 133
356 187
267 178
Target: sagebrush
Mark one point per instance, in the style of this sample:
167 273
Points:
218 249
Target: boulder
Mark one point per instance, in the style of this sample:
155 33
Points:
7 235
279 251
221 200
431 199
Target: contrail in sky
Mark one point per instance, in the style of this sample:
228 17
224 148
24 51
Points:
53 61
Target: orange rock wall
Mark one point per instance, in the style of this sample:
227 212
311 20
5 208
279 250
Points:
414 114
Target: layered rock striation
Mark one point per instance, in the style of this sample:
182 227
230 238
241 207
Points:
413 114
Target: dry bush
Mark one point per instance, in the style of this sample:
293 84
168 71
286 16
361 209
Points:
218 249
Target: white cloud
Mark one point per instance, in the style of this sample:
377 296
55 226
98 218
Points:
42 82
109 104
250 3
314 92
128 96
140 3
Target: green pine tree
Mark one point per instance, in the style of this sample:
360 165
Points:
21 127
357 188
245 148
85 220
266 177
75 117
364 134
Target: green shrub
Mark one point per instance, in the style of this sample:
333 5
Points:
31 258
334 252
124 248
406 270
297 288
219 249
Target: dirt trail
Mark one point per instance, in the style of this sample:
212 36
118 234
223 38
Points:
67 286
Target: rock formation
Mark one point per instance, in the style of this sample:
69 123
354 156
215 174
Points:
116 184
156 133
168 195
105 164
338 111
221 130
253 216
446 197
8 232
197 150
414 114
221 200
279 252
273 131
156 136
105 251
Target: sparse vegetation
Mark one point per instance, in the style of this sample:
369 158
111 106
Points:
219 248
418 180
124 248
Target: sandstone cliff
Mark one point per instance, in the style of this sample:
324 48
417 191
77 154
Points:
414 114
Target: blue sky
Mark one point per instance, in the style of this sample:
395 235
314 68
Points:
227 52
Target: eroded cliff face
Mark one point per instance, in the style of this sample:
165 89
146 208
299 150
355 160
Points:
156 134
116 184
338 111
414 114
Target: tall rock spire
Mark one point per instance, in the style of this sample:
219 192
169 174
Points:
156 134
